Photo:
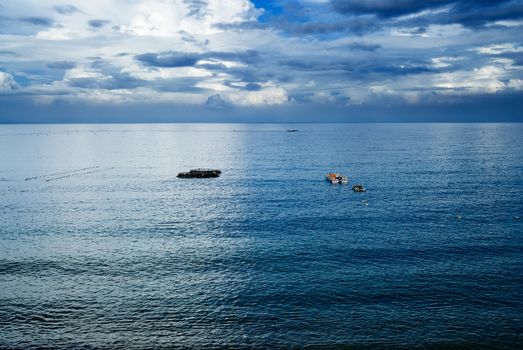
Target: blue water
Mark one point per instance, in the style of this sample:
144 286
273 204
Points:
102 246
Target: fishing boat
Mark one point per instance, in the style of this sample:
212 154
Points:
336 178
358 188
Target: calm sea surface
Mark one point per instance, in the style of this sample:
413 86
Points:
101 246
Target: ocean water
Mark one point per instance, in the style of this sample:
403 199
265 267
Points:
101 246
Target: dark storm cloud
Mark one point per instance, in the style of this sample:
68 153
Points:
384 8
38 21
61 65
98 23
363 47
213 66
396 69
466 12
172 59
315 28
362 70
168 59
298 19
253 87
317 65
66 9
471 14
355 25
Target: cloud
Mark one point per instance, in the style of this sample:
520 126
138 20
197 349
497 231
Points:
249 56
174 59
505 23
516 84
8 53
498 49
479 13
470 13
334 54
38 21
7 82
444 62
61 65
105 77
253 87
268 95
216 102
66 9
357 26
169 59
406 68
196 7
384 8
415 31
97 23
318 65
363 47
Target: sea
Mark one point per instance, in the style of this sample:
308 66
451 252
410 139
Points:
103 247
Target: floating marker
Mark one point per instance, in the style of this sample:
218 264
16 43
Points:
78 173
60 173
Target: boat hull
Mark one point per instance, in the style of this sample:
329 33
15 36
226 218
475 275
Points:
335 178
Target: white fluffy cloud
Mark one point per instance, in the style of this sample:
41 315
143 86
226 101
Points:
490 78
7 82
498 49
113 32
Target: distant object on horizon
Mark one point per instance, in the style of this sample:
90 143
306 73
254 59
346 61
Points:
199 173
292 130
336 178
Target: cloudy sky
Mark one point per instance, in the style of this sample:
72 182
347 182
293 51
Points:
240 60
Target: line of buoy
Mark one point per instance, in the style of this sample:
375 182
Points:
60 173
459 217
76 174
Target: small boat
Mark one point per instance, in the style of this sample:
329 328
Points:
358 188
336 178
292 130
199 173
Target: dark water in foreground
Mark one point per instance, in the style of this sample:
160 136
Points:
115 251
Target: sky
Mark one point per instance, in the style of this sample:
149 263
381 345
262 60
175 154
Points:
261 61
